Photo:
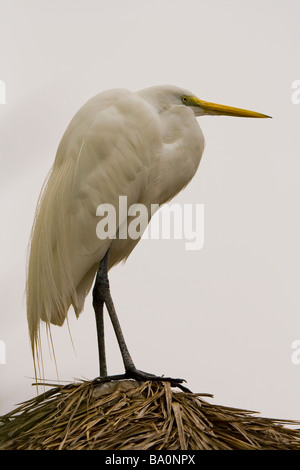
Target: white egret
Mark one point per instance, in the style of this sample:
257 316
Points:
145 145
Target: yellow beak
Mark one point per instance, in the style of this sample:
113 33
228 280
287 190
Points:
219 109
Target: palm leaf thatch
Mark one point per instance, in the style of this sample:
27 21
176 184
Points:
127 415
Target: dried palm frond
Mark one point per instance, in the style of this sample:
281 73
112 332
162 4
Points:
127 415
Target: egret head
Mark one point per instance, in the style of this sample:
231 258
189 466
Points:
166 96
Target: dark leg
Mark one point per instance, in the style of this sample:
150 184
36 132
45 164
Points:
102 292
98 304
101 342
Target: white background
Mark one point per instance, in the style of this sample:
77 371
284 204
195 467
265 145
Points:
224 317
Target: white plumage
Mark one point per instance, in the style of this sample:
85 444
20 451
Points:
146 146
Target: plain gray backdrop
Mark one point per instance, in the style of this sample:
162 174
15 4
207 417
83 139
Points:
223 317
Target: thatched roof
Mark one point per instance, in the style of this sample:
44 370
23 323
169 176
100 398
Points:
127 415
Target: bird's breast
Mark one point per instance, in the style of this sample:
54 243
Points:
180 154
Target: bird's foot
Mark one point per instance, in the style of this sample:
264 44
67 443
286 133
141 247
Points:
142 376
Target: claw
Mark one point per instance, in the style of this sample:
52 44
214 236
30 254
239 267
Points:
140 375
144 376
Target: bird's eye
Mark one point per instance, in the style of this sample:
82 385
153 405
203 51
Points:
184 99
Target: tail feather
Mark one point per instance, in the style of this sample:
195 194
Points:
50 288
